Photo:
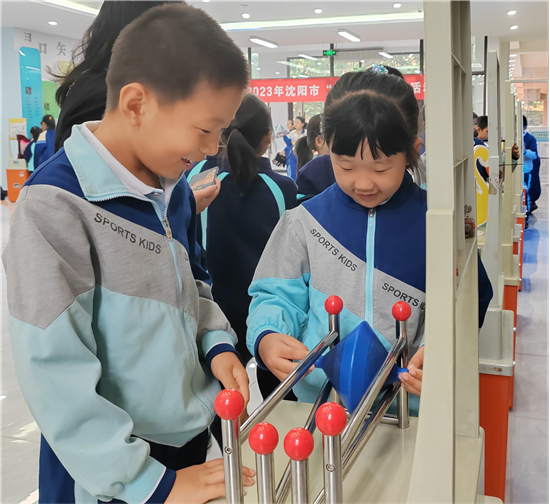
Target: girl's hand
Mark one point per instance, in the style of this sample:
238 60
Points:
203 197
277 352
201 483
412 381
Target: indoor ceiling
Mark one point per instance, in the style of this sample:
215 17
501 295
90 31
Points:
488 18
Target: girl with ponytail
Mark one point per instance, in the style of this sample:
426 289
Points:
241 219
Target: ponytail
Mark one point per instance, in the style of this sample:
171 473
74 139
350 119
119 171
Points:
242 158
244 136
303 153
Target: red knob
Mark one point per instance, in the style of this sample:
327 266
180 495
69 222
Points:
298 444
334 305
401 311
263 438
331 419
229 404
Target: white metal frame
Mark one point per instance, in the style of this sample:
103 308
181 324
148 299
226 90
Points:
449 442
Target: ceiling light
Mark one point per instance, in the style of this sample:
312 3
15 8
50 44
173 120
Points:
511 13
277 73
52 23
68 4
349 35
264 42
394 17
513 55
514 27
245 16
258 68
318 11
307 56
206 0
385 54
396 5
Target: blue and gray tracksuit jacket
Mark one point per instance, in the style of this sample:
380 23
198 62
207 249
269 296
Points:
371 258
112 324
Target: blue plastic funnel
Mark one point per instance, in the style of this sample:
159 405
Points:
354 362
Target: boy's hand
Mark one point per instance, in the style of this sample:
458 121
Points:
515 151
201 483
277 351
227 368
203 197
412 381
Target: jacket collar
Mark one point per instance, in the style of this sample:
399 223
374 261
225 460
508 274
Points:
401 195
96 178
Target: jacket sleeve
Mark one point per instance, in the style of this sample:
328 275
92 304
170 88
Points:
51 284
280 288
28 152
214 332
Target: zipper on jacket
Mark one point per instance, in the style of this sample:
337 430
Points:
371 230
168 230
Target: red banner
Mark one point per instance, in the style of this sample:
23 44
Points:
314 89
417 83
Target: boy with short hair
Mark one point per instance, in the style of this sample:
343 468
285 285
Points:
116 340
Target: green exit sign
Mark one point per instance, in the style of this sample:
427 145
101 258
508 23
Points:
329 52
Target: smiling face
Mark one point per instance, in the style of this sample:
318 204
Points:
298 124
366 180
169 138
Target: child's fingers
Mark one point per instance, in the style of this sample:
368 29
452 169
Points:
417 359
248 472
282 368
411 383
293 353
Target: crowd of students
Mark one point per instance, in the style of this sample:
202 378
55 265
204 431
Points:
157 295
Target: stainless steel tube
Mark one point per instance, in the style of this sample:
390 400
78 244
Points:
283 488
364 435
300 493
332 457
368 429
403 396
261 412
265 478
361 413
232 462
334 326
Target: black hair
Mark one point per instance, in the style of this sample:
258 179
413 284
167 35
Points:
303 152
524 122
313 131
394 71
170 49
49 121
244 136
35 133
303 119
375 107
482 122
94 51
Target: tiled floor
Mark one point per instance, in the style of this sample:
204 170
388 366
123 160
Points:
527 480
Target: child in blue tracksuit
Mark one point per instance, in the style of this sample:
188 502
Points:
29 150
45 145
362 239
531 169
117 344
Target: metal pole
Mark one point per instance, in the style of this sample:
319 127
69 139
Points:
232 463
331 421
298 446
331 61
283 488
350 457
299 482
261 412
263 439
403 396
265 478
334 325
